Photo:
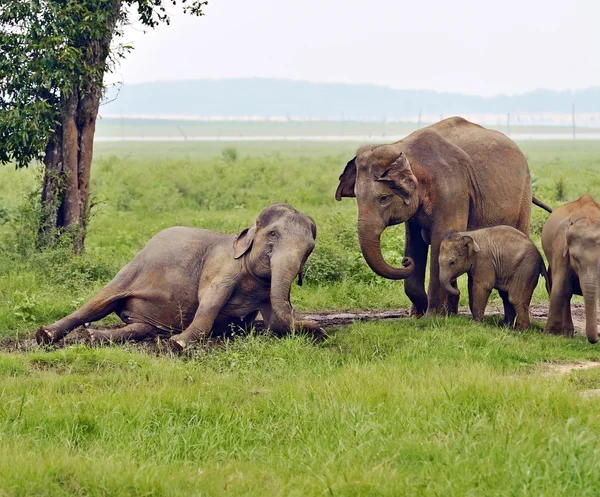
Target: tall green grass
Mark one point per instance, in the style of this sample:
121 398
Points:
141 188
408 407
428 407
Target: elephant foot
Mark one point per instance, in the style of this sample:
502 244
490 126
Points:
568 332
178 343
97 337
416 312
44 336
436 312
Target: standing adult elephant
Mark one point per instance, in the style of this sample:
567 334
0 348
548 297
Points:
571 242
453 175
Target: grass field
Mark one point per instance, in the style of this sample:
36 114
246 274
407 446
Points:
408 407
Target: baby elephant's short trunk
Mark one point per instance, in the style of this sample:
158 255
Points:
447 284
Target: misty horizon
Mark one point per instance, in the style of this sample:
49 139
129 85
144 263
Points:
118 84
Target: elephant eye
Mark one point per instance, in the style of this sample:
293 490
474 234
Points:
384 198
272 234
452 263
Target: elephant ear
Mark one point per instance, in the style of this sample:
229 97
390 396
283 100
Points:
565 241
347 181
243 241
471 246
400 178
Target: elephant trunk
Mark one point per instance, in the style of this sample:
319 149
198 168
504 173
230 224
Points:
446 283
369 238
282 276
590 297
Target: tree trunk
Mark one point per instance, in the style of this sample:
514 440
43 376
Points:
52 215
68 163
68 159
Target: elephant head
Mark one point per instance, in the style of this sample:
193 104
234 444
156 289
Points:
381 179
276 248
582 246
457 255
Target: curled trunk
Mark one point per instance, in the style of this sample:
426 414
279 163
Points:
369 238
590 296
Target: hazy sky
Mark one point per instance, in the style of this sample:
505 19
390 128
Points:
472 46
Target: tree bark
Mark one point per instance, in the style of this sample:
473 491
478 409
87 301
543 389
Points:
70 150
52 215
68 158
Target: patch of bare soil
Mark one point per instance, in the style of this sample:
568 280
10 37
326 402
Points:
327 319
562 369
590 394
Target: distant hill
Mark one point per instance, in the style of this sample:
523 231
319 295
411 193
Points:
303 100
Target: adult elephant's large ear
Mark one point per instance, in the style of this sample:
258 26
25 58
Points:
243 241
347 180
400 178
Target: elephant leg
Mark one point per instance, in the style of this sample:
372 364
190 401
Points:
131 332
523 317
101 305
414 285
509 310
211 298
481 294
470 290
567 322
437 295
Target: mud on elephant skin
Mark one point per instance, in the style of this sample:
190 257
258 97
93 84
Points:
571 242
451 176
499 257
190 281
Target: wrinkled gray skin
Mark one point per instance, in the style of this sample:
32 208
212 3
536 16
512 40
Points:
571 242
500 257
191 281
452 175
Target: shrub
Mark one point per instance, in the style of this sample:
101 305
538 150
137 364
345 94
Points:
229 154
560 190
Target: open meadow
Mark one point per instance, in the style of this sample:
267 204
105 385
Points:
435 406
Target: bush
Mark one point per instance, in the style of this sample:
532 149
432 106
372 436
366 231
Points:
229 154
560 190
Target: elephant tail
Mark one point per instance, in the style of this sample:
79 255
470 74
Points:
541 204
546 276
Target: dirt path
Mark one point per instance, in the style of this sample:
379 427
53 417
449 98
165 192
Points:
327 319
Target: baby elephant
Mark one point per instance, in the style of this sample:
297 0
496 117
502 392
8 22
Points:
191 281
499 257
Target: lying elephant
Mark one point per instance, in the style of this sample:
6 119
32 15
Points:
451 176
191 281
499 257
571 242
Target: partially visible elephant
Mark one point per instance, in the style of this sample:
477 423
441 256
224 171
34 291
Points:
190 281
451 176
571 242
499 257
